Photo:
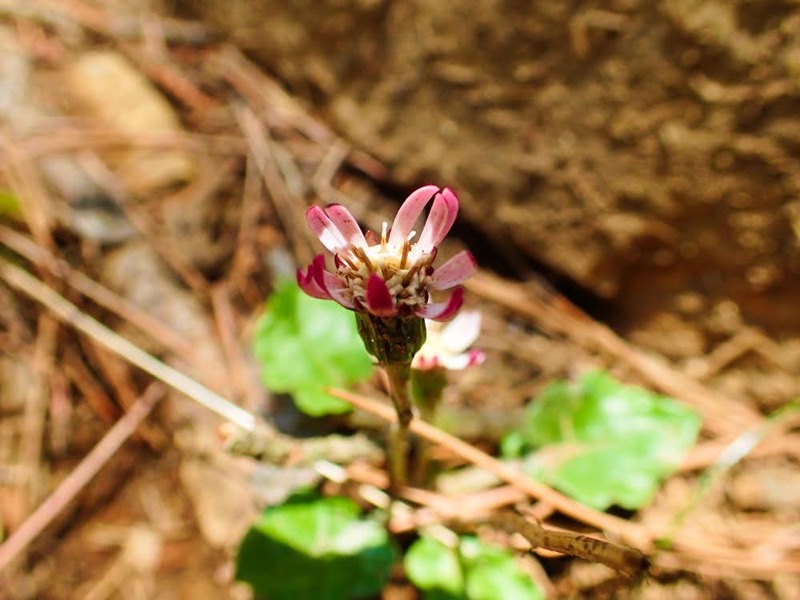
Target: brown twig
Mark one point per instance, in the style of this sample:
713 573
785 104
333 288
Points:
68 139
26 184
105 22
721 415
244 385
622 559
287 206
632 533
69 313
79 477
778 444
101 295
245 259
281 109
36 404
717 561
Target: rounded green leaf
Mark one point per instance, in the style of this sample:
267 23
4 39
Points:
432 565
315 549
605 443
304 344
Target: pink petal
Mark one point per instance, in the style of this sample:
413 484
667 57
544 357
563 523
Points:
454 271
379 299
347 225
333 286
325 229
462 361
307 281
409 212
440 220
423 363
443 311
476 357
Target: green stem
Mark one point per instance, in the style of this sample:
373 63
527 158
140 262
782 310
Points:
398 442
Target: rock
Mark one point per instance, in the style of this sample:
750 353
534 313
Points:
606 144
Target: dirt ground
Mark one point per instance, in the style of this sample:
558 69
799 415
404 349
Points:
630 188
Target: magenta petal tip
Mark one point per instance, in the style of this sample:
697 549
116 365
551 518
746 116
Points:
379 299
444 311
308 280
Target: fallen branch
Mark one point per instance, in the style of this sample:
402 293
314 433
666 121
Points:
622 559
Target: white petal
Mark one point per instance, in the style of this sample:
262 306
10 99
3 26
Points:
460 333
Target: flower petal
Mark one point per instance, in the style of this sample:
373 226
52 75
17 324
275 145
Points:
460 333
453 271
307 281
440 220
462 361
333 286
346 224
409 212
379 299
424 363
443 311
325 229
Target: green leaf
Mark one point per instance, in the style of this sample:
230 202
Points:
304 344
605 443
493 573
431 565
473 571
315 549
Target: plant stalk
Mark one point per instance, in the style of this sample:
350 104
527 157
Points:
399 374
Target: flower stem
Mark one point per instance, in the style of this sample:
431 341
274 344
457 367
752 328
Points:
399 374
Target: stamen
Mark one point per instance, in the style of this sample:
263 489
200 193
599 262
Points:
345 259
383 235
404 258
362 256
411 272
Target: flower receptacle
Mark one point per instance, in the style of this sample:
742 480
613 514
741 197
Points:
391 340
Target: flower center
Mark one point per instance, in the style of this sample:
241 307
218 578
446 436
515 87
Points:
406 275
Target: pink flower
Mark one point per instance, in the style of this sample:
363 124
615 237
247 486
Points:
446 345
390 276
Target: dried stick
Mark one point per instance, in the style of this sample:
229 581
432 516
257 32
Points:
622 559
87 286
632 533
69 313
72 139
721 415
286 204
79 477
